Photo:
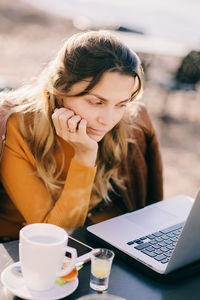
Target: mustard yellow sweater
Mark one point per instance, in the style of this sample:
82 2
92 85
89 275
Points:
29 201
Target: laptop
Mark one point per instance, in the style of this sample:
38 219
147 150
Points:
164 236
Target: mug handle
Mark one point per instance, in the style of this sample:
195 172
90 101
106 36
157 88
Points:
71 262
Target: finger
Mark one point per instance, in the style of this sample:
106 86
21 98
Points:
63 117
73 122
59 114
60 118
82 126
56 121
60 111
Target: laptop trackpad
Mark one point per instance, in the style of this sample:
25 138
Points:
152 218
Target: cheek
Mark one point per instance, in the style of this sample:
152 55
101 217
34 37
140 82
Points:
78 109
84 115
119 115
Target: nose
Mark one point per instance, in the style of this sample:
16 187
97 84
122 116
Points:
106 117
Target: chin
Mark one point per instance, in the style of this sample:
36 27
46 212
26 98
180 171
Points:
96 138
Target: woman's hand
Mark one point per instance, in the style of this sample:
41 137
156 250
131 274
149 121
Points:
72 129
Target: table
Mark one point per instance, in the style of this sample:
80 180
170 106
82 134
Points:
125 281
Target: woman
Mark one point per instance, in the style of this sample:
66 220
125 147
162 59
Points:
73 139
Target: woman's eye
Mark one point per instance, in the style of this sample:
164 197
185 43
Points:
95 102
122 105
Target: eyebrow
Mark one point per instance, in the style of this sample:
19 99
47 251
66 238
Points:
106 100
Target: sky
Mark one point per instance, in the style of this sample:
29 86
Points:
177 20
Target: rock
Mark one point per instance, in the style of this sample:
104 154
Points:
189 70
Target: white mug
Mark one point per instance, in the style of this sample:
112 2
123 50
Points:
42 249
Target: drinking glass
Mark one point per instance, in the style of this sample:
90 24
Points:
101 262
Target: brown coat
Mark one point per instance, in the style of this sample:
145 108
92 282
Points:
143 167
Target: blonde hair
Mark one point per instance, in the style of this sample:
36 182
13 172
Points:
82 56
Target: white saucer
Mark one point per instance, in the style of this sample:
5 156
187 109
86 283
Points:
15 283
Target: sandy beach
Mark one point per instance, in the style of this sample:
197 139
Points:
30 37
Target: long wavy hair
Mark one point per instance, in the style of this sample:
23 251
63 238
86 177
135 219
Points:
84 55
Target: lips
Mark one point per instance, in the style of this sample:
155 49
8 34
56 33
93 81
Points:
96 131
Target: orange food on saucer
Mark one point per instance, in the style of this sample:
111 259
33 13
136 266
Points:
71 276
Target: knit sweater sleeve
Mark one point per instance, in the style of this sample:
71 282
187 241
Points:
29 193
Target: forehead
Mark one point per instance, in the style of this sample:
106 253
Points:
112 85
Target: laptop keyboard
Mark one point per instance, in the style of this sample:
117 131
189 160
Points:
159 245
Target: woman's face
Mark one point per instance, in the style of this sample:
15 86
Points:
104 106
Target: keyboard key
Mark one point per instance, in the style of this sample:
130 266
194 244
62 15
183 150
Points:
162 244
168 242
177 232
160 257
159 239
171 228
164 249
150 236
171 234
168 254
164 261
156 246
138 242
142 246
151 254
165 237
153 242
131 243
170 247
174 239
158 251
150 248
157 233
143 238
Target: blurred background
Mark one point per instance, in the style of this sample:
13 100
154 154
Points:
166 36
